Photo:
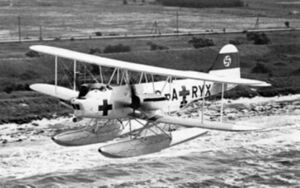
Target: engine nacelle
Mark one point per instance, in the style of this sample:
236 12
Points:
89 135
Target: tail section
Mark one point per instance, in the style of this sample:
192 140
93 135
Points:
227 63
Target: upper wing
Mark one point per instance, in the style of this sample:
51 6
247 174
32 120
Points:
101 61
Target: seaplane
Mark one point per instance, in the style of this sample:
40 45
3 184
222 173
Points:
112 108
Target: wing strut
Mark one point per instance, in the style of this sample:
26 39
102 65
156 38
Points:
222 103
127 81
74 76
141 77
55 76
130 128
112 76
153 86
101 76
170 90
118 75
146 79
167 81
203 104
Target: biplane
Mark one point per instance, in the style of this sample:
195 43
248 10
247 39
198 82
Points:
112 108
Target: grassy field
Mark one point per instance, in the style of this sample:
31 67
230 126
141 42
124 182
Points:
75 17
281 56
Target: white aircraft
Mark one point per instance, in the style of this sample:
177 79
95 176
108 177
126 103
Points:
113 108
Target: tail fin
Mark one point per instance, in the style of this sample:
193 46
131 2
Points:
227 63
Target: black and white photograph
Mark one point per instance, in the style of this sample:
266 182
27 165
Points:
149 93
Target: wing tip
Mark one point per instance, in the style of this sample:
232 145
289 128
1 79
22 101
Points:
262 84
34 86
41 48
34 47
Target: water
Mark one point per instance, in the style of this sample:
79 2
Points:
269 158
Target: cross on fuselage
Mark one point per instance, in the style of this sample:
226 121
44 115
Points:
105 107
183 93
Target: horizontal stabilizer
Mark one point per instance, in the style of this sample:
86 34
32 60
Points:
253 83
55 91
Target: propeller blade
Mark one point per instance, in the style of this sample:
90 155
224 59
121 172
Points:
135 100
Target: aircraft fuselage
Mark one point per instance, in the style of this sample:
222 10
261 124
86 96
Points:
108 104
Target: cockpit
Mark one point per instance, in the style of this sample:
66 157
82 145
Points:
85 88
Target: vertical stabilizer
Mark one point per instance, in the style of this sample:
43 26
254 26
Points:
227 63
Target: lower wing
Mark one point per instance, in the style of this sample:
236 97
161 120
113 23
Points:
197 123
55 91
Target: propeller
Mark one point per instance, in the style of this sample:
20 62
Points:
138 103
135 99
